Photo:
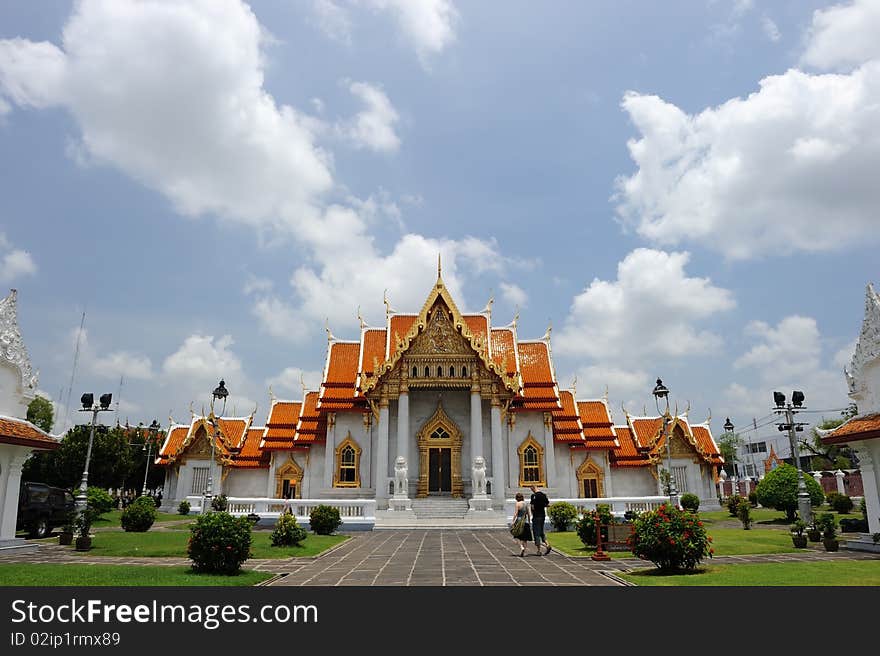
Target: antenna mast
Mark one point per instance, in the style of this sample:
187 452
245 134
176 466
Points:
73 372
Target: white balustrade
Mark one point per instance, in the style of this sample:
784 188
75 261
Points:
619 505
268 508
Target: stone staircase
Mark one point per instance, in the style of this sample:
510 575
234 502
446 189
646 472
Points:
440 513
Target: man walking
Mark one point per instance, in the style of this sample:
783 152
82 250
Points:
539 503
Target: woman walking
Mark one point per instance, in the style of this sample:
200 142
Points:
520 526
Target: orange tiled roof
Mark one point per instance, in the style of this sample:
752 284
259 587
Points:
628 453
598 430
312 426
647 430
860 427
400 325
173 443
281 427
340 377
23 433
706 443
539 391
478 324
250 456
503 349
373 349
566 423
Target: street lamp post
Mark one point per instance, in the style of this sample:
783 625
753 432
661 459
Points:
220 393
661 392
88 405
148 447
728 429
789 409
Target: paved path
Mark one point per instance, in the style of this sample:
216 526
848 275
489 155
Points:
427 558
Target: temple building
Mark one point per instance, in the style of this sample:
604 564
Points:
438 404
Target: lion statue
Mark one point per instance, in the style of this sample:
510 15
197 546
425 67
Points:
478 476
401 485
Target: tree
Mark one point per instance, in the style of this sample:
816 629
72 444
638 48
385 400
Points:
833 456
728 444
41 413
779 490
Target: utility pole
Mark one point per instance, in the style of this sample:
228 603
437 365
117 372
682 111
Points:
789 410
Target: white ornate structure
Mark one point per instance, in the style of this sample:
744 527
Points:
442 409
862 432
18 437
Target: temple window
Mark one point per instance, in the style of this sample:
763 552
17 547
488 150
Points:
452 372
415 372
464 372
531 462
439 372
348 456
440 434
200 480
427 372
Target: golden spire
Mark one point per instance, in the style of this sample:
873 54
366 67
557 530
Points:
439 266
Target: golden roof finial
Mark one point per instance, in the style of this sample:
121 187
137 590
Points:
302 383
330 336
574 388
360 318
488 308
439 266
546 336
388 309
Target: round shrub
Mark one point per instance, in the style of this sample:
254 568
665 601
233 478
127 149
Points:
100 501
219 543
830 498
324 519
753 499
744 512
561 514
586 524
139 515
690 502
779 489
220 503
843 504
183 508
287 532
670 538
733 504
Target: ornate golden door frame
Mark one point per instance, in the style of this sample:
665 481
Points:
440 432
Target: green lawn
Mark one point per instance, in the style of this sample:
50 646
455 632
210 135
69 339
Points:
830 573
118 575
113 518
173 543
771 517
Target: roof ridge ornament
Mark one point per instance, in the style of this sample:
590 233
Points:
12 347
488 308
546 336
330 337
868 346
388 309
361 319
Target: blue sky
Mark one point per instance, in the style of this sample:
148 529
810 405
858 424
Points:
682 189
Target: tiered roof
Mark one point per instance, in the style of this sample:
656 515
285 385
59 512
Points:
641 441
21 432
236 444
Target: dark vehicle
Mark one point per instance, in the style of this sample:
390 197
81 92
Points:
42 507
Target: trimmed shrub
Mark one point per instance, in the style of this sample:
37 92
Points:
733 504
183 508
830 498
287 532
220 503
219 543
863 508
690 502
630 515
744 512
843 504
779 489
139 515
100 501
586 524
324 519
753 499
670 538
851 525
156 501
561 514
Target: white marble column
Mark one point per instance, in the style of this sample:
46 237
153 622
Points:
382 454
11 475
403 427
499 462
270 483
870 483
549 455
839 476
476 424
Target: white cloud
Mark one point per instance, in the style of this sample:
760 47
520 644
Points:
123 363
281 320
621 383
15 262
649 311
372 128
429 25
771 30
207 135
844 356
790 168
288 383
514 295
332 20
201 359
844 35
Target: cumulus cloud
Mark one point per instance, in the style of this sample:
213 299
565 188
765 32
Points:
94 359
844 35
373 127
15 262
514 294
771 30
333 20
650 309
206 134
288 383
788 168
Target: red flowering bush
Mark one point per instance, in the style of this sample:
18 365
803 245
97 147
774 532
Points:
219 543
671 538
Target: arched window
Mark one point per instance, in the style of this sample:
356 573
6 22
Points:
427 372
464 372
531 462
591 479
439 372
452 372
415 372
440 434
348 459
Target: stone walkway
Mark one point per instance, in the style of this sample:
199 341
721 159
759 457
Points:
427 558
